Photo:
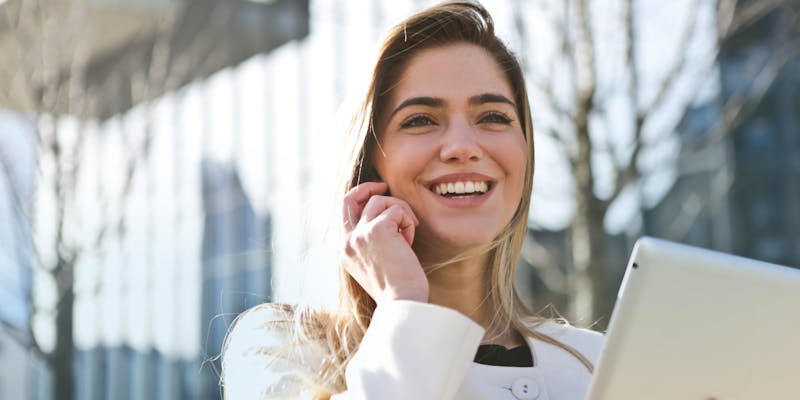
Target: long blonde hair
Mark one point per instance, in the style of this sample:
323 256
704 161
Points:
339 333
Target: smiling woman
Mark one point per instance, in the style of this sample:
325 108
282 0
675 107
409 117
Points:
434 213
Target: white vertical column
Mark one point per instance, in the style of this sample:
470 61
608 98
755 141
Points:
287 233
134 269
320 213
162 207
189 219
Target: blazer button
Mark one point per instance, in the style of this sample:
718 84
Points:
525 389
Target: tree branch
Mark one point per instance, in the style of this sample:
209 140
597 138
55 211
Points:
741 14
678 65
627 172
630 56
26 340
735 109
561 113
742 103
584 59
158 73
584 100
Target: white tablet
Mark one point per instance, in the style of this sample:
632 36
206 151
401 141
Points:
693 324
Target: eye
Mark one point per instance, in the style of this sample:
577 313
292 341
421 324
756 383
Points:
495 117
417 120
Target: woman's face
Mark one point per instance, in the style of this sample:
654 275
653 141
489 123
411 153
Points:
452 145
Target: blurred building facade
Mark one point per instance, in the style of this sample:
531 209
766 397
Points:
766 146
739 191
186 248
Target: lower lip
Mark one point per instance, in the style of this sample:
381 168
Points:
463 201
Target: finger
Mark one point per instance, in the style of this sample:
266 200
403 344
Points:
408 228
355 199
378 204
400 220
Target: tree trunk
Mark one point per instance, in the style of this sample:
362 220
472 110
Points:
580 281
580 237
62 359
600 269
588 281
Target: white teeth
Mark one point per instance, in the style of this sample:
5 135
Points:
465 187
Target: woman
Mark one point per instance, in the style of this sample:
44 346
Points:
435 210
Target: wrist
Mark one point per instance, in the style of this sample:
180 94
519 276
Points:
411 294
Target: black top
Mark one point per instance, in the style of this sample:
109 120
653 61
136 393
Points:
495 354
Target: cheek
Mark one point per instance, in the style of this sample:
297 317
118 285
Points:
402 157
398 165
511 153
520 160
513 158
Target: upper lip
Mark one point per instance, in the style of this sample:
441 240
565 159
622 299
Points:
459 177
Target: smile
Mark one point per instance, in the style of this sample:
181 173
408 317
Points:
461 188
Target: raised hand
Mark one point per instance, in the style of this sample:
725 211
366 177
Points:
379 231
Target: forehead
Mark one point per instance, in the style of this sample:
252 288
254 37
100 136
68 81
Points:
453 72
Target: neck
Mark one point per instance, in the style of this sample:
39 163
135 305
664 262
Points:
464 286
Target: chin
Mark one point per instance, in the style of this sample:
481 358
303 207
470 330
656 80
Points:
461 236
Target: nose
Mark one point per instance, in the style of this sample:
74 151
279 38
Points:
460 143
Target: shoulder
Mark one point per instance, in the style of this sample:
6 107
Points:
586 341
263 326
263 353
267 317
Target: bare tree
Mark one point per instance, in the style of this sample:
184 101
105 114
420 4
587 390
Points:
584 113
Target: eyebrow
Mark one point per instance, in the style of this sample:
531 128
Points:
418 101
437 102
490 98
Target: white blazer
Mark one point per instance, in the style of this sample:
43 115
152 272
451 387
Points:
413 351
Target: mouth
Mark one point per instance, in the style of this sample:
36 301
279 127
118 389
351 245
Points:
461 189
